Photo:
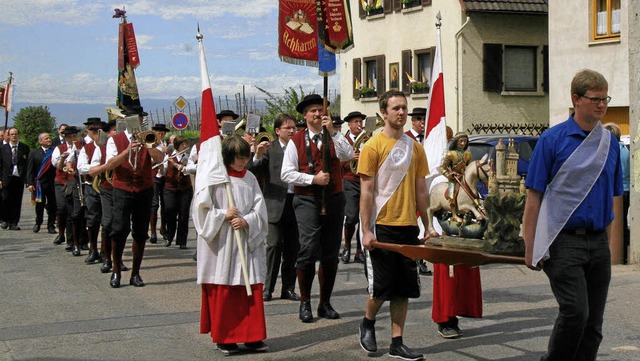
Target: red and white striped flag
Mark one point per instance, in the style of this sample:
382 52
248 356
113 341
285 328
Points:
211 169
435 136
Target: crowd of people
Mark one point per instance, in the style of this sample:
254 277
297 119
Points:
292 206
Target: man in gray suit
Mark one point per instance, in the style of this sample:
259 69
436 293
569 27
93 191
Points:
282 239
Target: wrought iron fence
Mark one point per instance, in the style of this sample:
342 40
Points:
498 128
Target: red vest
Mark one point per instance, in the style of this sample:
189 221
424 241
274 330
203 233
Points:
63 177
174 180
335 183
124 177
346 166
104 184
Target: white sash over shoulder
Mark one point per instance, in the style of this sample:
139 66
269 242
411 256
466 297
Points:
569 188
391 173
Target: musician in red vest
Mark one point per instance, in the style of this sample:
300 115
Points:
132 193
98 169
69 210
352 191
91 197
302 166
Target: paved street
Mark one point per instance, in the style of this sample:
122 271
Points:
54 307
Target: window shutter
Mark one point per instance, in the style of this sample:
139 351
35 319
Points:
357 74
361 11
397 5
381 82
426 2
406 69
388 5
545 61
492 68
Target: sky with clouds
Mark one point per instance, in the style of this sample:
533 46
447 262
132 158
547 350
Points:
65 51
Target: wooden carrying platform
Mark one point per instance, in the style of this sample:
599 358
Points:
448 256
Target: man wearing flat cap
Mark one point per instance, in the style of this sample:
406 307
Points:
91 197
351 184
319 237
132 194
158 187
68 212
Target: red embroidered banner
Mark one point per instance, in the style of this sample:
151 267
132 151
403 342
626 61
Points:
297 32
130 43
334 25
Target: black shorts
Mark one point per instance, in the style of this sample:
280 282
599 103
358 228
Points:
390 274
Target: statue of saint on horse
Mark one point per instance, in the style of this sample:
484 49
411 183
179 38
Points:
460 194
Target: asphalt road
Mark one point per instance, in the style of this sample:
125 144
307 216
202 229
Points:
54 307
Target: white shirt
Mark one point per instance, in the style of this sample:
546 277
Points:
112 150
56 155
192 164
290 173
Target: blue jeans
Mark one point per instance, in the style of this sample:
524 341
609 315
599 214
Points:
579 271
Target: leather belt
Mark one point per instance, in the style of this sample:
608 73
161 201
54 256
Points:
582 231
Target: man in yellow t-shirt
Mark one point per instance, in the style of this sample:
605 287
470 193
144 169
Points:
391 163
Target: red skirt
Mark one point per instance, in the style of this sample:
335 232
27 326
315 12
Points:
230 315
460 295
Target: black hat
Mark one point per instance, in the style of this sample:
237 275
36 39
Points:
108 126
160 127
418 111
310 99
354 115
301 124
226 113
92 121
134 110
336 120
71 130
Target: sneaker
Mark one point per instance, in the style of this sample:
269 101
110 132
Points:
345 255
256 346
368 339
228 348
423 269
448 332
404 352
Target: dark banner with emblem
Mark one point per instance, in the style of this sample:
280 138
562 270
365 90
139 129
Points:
334 25
298 32
128 60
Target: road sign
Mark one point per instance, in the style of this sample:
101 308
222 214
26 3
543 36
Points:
181 103
180 121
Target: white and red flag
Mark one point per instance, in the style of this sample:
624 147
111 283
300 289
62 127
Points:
435 130
211 169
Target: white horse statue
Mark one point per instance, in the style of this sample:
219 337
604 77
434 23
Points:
476 171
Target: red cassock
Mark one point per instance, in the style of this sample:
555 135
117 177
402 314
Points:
230 315
460 295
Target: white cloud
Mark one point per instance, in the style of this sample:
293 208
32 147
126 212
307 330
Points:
204 9
69 12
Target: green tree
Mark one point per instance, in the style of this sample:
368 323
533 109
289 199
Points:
33 120
287 104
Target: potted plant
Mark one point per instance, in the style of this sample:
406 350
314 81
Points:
366 92
373 10
419 87
409 3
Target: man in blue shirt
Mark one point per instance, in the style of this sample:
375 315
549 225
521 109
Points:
573 177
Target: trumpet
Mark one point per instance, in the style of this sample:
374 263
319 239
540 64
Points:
149 139
263 136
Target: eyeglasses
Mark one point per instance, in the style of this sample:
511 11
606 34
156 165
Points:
596 100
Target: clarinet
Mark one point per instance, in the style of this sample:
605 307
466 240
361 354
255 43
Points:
79 179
